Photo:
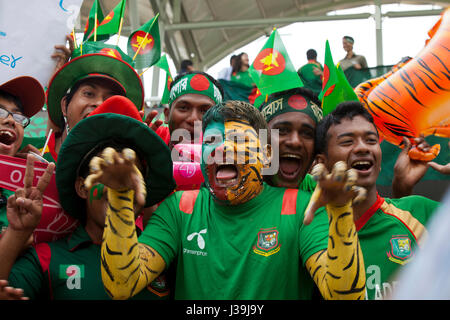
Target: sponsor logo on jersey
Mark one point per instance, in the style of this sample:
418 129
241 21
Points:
267 242
200 243
73 273
400 249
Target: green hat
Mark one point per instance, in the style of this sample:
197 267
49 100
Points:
94 60
292 100
115 120
194 82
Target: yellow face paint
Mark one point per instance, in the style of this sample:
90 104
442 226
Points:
235 176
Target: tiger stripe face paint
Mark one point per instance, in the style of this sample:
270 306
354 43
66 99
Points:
232 160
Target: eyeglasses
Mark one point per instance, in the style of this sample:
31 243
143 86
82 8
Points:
18 117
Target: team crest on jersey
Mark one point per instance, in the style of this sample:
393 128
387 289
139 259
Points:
267 242
159 286
400 249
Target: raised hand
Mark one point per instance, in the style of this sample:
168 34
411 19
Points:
148 120
24 207
10 293
117 171
336 188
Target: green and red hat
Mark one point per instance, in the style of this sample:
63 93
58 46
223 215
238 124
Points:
116 120
94 60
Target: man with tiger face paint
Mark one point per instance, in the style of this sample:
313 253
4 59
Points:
239 238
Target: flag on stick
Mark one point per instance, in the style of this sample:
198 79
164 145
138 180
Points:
95 16
164 65
144 44
110 25
272 70
335 86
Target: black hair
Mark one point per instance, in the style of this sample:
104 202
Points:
305 92
12 98
344 110
235 110
216 83
311 54
185 63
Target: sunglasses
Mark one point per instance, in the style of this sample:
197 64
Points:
18 117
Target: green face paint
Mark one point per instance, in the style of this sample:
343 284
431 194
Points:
213 137
96 192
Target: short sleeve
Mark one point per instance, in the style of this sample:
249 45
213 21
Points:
314 237
27 274
162 231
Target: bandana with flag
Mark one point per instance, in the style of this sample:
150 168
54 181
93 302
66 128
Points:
95 16
144 44
111 24
272 70
335 86
162 64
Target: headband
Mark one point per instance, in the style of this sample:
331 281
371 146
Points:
291 103
195 83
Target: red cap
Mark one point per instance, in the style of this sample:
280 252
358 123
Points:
29 91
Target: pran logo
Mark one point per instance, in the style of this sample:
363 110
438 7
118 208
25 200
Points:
200 240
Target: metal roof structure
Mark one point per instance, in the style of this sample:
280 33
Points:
205 31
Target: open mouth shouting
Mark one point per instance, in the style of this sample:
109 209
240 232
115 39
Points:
363 166
7 139
227 175
290 166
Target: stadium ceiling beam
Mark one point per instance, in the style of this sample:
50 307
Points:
289 20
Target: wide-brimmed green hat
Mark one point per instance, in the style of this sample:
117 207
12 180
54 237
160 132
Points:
94 60
115 120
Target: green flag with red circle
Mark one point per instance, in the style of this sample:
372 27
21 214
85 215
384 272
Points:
96 14
164 65
144 44
335 86
110 25
272 70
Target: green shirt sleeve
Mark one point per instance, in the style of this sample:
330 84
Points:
313 237
27 274
162 232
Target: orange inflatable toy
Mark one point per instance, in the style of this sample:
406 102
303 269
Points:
414 97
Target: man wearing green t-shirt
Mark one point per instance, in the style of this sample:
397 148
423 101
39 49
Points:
69 268
312 72
390 230
238 238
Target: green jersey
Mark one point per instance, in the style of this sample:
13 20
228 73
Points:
243 77
255 250
310 80
389 233
69 269
4 195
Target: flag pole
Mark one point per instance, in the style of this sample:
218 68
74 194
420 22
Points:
120 29
145 38
95 26
74 38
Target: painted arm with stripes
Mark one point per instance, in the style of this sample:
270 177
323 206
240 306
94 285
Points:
127 266
339 271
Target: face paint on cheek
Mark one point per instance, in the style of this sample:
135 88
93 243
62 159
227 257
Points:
96 192
249 162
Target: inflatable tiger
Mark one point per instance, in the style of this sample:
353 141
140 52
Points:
414 97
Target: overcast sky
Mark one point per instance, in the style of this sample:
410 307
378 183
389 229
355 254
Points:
401 37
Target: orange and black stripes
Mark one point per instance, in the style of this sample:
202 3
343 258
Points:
339 270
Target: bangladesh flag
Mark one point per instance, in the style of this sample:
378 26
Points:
335 86
111 24
272 70
144 44
164 65
96 14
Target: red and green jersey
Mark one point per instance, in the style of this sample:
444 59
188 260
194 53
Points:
254 250
69 269
389 233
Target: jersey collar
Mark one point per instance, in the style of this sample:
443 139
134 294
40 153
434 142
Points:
369 213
